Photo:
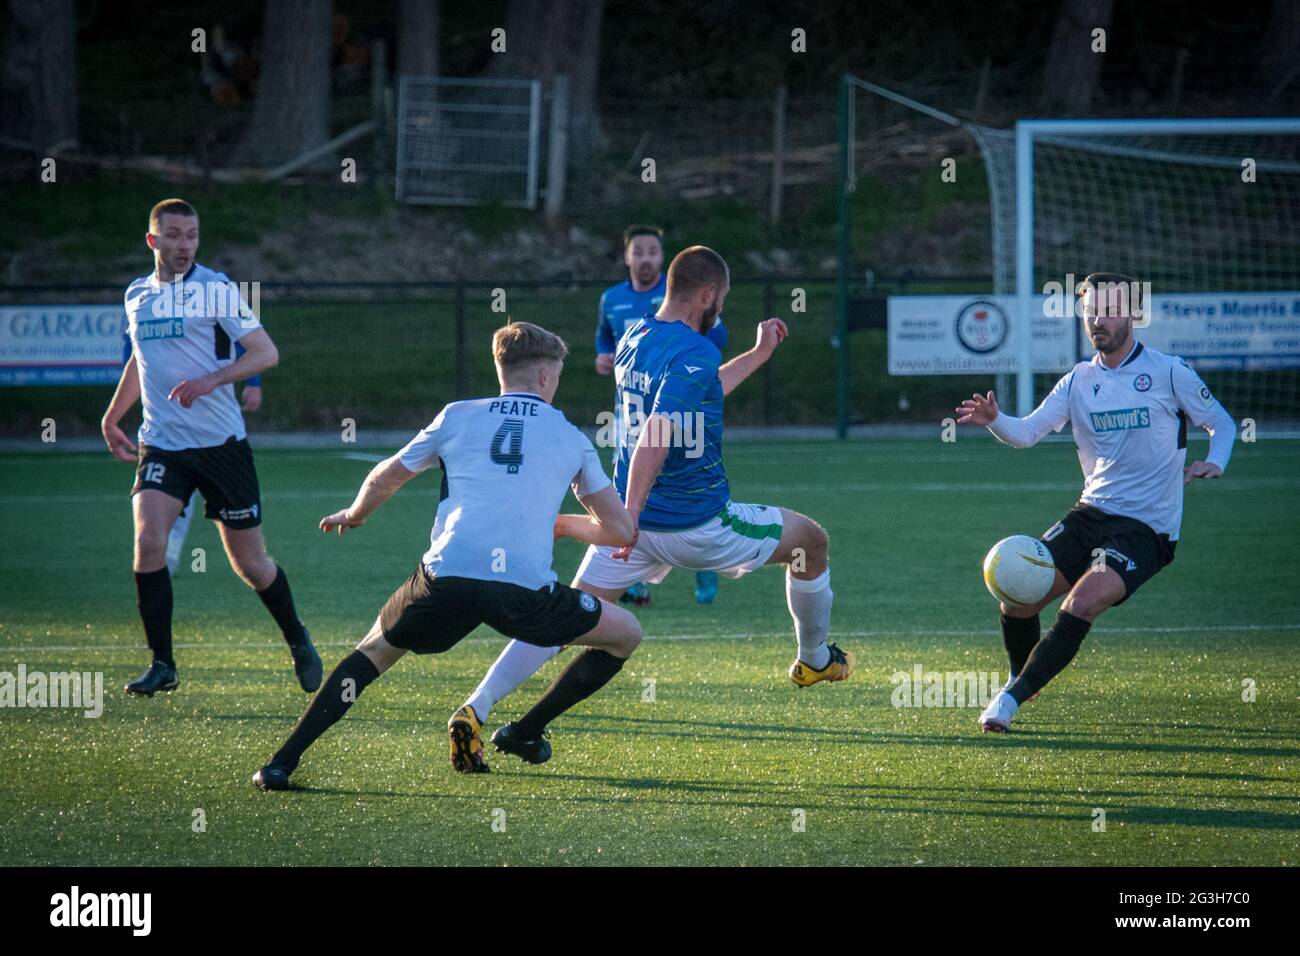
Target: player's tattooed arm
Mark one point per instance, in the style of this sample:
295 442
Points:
260 354
380 485
771 333
126 395
607 521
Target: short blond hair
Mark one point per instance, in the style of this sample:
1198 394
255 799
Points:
521 343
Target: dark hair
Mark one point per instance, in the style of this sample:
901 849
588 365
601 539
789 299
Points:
176 207
694 268
1095 280
631 232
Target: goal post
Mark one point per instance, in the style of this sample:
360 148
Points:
1205 210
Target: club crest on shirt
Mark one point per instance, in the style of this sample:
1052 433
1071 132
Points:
1143 382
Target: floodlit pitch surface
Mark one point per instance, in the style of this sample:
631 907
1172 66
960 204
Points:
1179 719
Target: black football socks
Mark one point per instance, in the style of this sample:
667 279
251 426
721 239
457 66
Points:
588 673
1019 635
340 691
279 601
1050 655
153 596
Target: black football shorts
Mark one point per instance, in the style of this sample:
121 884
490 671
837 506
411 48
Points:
1129 547
430 615
223 474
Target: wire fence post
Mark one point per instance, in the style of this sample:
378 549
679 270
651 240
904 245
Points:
768 374
841 339
458 343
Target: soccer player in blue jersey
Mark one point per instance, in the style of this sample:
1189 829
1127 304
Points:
250 400
621 307
671 381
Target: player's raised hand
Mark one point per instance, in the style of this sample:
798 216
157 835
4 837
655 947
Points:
340 521
187 391
122 447
1200 469
978 410
770 334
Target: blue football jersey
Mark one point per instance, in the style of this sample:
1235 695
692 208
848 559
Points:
668 368
621 306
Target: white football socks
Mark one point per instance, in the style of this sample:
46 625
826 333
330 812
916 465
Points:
517 663
810 606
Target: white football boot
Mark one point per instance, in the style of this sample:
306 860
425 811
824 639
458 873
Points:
997 715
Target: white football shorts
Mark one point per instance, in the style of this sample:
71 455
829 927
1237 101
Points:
743 537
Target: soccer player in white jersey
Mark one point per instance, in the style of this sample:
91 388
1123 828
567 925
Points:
1129 407
673 381
507 462
184 321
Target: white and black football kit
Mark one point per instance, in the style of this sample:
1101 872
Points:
1130 426
184 330
507 463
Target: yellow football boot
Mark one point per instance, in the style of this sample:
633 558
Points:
839 667
463 731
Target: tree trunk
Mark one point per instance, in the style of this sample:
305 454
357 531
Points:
38 75
545 38
418 38
291 109
1073 69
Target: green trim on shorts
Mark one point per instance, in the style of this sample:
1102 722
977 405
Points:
758 532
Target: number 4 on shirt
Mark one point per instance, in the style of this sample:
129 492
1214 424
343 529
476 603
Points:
508 444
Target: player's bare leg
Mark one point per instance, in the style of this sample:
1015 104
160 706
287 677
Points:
1021 629
610 643
1099 588
246 549
154 513
372 657
804 550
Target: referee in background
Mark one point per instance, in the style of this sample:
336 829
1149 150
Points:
184 321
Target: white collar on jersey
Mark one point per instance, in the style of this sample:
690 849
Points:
1134 352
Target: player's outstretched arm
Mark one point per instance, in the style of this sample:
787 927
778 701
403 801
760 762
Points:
259 355
125 396
1025 432
380 485
770 334
607 521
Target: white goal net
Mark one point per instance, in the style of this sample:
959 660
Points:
1206 211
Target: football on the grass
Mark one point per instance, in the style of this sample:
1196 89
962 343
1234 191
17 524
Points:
1019 570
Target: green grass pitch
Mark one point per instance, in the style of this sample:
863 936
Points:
1149 724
